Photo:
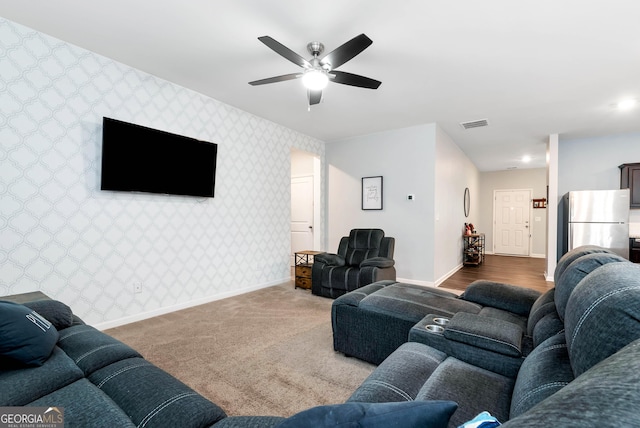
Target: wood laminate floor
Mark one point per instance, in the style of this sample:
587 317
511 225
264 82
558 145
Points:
522 271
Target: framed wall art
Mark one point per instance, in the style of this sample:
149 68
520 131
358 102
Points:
372 193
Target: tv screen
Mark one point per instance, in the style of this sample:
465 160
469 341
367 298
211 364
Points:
140 159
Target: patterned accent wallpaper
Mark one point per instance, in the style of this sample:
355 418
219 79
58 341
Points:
63 236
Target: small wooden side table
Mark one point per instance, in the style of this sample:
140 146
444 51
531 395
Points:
303 261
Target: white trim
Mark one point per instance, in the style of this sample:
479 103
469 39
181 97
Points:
416 282
184 305
429 283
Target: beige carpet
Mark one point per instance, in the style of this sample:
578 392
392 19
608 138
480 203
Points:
268 352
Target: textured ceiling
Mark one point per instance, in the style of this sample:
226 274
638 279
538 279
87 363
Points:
530 68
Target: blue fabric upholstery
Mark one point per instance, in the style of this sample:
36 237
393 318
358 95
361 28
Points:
371 322
587 374
510 298
473 388
91 349
413 414
574 254
160 400
365 256
603 314
575 271
389 382
23 385
605 396
85 407
544 372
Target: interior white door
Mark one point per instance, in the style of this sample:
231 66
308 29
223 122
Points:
512 233
301 214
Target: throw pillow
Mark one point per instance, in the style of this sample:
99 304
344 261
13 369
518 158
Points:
57 313
404 414
25 336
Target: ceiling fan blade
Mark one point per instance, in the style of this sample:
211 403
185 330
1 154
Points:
345 52
285 52
354 80
314 97
276 79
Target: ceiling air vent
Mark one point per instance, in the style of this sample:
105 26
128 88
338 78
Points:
475 124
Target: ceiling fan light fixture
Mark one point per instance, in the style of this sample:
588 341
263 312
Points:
315 80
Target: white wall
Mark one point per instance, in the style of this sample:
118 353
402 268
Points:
453 173
419 160
534 179
60 234
592 164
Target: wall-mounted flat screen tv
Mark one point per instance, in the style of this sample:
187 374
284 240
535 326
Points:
140 159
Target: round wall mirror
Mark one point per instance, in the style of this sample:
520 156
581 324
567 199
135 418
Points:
467 201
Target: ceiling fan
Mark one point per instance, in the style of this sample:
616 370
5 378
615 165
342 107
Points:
318 72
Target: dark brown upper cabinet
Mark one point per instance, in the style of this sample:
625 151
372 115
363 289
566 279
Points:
630 179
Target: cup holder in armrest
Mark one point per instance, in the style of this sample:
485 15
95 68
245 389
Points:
432 328
441 321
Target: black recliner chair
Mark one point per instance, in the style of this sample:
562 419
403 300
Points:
364 257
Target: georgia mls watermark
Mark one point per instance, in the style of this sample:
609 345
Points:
31 417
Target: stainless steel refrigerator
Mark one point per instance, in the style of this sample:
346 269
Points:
598 217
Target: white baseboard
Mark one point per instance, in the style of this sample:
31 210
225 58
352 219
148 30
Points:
446 276
439 281
184 305
416 282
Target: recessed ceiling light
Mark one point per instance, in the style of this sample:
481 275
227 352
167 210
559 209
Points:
526 158
627 104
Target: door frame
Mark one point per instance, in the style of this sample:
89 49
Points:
495 199
317 196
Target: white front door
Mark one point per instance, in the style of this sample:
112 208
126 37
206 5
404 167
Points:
301 214
512 233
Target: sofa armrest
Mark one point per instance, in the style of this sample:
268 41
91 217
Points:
487 333
329 259
379 262
511 298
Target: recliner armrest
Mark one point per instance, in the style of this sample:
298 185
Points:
380 262
330 259
511 298
487 333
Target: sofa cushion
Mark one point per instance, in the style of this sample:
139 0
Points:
605 396
572 255
545 371
153 398
575 272
544 305
473 388
363 244
26 338
503 315
546 327
85 406
23 385
510 298
401 375
603 314
91 349
57 313
413 414
412 302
